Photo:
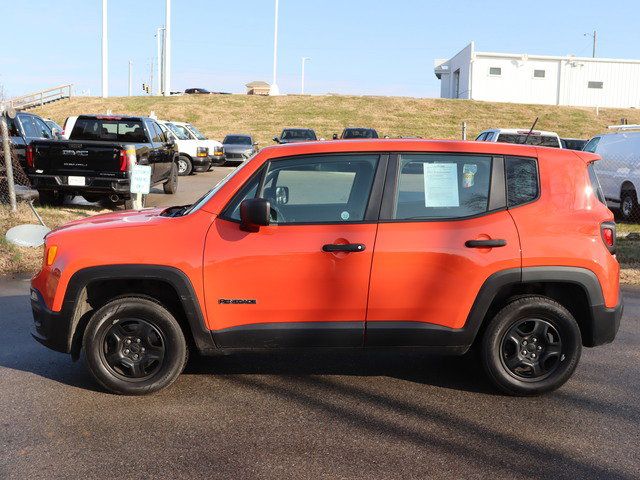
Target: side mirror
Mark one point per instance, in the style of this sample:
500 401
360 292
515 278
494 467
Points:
282 195
276 139
57 134
335 136
254 213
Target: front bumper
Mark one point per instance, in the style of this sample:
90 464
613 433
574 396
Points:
605 324
92 184
217 160
49 328
202 164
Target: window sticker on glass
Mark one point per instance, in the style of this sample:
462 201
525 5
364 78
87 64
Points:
468 175
441 185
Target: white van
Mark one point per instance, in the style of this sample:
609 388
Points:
619 169
515 135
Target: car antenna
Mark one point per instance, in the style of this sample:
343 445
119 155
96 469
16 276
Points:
526 139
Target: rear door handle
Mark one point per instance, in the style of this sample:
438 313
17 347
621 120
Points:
492 243
343 247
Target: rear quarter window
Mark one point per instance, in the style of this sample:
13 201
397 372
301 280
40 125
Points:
522 180
595 183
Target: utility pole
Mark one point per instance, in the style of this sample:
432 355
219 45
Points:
593 35
274 90
167 50
130 68
304 59
105 71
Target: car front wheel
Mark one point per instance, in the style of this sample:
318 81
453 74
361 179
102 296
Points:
134 346
184 165
531 346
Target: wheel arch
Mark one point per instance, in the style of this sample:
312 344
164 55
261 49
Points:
92 287
577 289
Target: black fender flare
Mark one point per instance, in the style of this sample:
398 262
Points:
72 308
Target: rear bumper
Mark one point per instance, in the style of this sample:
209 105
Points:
92 184
605 325
49 328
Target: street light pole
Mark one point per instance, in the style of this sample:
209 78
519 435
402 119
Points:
304 59
105 72
130 67
160 45
274 90
167 50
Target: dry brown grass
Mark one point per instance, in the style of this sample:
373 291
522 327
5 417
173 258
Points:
23 260
264 117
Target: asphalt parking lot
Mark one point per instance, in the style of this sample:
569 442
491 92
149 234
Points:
313 414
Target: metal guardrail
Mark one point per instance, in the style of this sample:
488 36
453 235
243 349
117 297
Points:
40 98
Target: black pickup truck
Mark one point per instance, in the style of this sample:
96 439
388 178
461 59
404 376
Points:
93 162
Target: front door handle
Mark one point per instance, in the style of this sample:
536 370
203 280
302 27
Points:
491 243
343 247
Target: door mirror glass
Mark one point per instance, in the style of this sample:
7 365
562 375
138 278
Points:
335 136
254 213
282 195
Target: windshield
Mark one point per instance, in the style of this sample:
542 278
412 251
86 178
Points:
196 132
540 140
237 140
359 133
178 131
298 135
207 196
108 129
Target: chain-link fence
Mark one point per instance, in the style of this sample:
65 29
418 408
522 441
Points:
20 178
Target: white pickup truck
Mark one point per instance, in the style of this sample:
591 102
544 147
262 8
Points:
191 144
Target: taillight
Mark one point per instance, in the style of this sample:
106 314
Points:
29 156
608 234
124 160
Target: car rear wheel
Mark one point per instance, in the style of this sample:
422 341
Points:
629 206
171 185
134 346
184 165
531 346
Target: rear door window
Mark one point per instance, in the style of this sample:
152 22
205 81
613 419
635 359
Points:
108 129
440 186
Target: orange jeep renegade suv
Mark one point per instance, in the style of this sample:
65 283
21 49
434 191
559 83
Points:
430 245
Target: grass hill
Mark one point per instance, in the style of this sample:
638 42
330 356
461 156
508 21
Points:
264 117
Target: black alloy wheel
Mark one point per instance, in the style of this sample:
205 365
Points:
133 349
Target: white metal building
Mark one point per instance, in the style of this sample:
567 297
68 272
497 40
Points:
541 79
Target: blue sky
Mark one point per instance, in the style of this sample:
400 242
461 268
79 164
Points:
371 47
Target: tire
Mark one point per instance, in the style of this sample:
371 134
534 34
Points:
185 166
629 206
92 198
51 198
134 346
546 332
130 205
171 185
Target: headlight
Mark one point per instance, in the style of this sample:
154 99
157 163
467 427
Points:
202 152
218 151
